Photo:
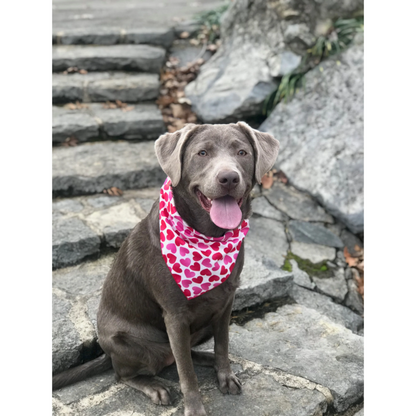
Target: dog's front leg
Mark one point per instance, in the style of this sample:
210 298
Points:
180 342
228 381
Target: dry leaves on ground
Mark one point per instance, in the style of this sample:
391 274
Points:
356 262
70 141
113 191
271 176
117 104
175 107
74 69
75 106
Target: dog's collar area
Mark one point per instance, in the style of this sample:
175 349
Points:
198 263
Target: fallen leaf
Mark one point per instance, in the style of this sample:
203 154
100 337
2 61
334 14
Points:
281 177
184 35
113 191
83 71
70 141
351 261
267 180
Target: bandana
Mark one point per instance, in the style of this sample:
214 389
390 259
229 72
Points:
197 263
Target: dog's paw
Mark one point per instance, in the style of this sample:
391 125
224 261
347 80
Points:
194 406
229 382
158 394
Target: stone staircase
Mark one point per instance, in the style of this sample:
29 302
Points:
116 149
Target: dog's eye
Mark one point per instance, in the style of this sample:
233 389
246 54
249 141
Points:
203 153
242 152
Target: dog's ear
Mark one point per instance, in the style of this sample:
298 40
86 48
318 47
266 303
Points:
266 149
169 150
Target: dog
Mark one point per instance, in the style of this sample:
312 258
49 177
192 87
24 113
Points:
173 281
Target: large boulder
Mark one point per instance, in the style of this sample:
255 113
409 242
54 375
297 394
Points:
261 40
321 136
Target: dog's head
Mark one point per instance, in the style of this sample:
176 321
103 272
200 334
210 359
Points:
217 166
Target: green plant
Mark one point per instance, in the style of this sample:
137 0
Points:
337 38
211 21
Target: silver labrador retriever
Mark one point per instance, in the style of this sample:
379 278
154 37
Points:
146 321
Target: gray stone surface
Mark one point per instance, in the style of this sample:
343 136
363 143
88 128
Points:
111 36
262 40
265 392
125 16
335 286
321 135
74 335
72 240
92 167
141 122
353 299
350 241
260 280
267 238
104 86
324 305
187 53
80 124
262 207
305 343
313 252
300 277
306 232
109 218
142 58
296 204
65 339
360 413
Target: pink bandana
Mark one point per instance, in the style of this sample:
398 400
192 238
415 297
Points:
198 263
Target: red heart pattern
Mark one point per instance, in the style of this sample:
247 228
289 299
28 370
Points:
198 263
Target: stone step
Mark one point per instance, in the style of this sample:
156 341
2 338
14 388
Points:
91 167
111 36
143 58
84 225
294 361
76 293
104 86
94 121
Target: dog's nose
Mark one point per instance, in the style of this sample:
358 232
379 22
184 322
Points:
228 179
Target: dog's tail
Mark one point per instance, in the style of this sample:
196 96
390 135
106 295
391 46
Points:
89 369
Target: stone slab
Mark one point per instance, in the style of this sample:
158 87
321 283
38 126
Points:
322 136
141 122
95 16
353 299
111 36
110 218
72 240
143 58
262 207
91 167
65 338
66 123
313 252
296 204
311 233
324 305
268 238
104 86
264 393
335 287
305 343
300 277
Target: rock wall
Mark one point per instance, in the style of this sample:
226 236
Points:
321 136
261 40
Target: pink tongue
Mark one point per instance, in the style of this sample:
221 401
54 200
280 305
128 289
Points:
225 213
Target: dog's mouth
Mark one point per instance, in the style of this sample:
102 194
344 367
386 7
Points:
225 211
